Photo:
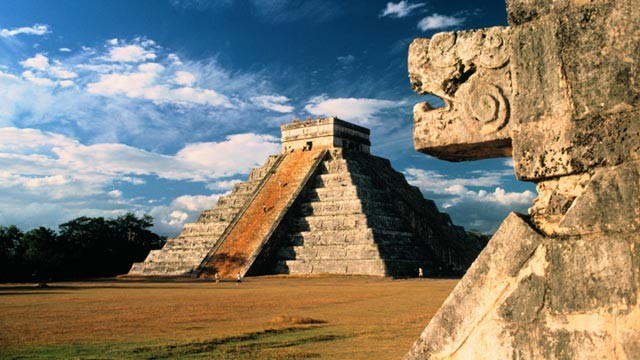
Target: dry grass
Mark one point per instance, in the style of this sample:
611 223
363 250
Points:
266 317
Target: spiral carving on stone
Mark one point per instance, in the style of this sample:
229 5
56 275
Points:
487 104
442 52
494 49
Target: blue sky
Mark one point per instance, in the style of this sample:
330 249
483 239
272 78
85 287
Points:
161 106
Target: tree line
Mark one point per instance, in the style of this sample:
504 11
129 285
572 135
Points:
83 247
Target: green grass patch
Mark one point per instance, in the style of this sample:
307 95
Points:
268 344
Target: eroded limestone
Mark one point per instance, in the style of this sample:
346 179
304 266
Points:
574 128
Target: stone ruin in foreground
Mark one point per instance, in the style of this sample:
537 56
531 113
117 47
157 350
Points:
325 205
559 91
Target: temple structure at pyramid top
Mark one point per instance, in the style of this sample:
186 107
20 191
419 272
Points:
325 205
324 133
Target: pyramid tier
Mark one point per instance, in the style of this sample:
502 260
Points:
182 255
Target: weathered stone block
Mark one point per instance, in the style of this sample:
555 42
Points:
526 302
609 203
469 71
588 345
477 293
591 273
574 127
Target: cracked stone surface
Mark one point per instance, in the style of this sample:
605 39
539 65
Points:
559 91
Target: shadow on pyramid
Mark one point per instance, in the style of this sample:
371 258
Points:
325 205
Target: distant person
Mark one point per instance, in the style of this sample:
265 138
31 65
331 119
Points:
264 208
238 279
217 277
420 273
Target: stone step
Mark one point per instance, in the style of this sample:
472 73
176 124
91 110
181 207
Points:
334 166
352 251
344 193
345 237
182 254
360 267
167 269
218 214
176 256
335 180
253 228
347 222
244 187
179 250
204 229
336 222
257 174
344 207
335 266
234 201
190 247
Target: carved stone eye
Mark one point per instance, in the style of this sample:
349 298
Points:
494 52
486 104
442 50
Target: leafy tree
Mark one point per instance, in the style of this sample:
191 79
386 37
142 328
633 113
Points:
42 250
100 247
10 238
84 247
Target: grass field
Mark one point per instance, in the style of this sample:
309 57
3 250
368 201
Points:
263 318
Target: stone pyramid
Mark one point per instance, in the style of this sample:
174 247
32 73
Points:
325 205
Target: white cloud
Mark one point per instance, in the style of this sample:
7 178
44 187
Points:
41 63
237 152
113 41
183 209
31 151
177 218
476 202
273 102
400 10
133 180
66 83
353 109
184 78
31 77
116 194
38 62
195 203
30 30
175 59
64 49
509 162
143 84
130 53
68 179
222 185
61 73
437 21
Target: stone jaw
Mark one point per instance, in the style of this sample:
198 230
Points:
566 72
470 72
574 123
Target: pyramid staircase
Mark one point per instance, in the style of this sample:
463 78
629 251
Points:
181 256
349 221
324 206
241 244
